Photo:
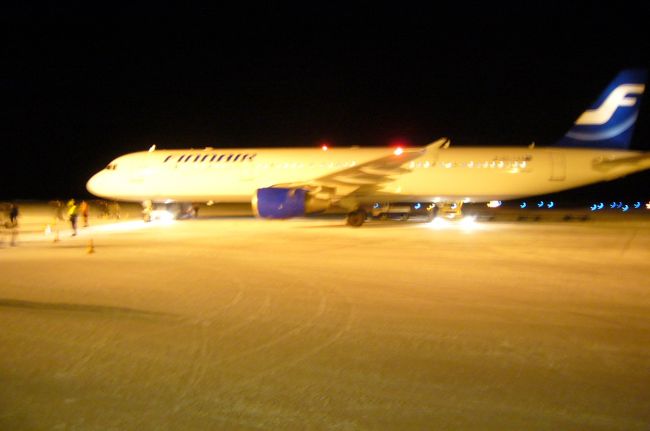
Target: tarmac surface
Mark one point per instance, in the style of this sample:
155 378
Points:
238 323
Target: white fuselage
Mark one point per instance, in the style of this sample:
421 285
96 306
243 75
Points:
452 174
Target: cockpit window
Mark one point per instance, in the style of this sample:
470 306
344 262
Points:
111 167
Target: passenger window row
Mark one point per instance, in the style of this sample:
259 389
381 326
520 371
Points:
211 158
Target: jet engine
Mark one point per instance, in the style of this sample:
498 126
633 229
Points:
281 203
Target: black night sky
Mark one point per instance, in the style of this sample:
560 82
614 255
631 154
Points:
82 86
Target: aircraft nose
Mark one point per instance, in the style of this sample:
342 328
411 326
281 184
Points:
94 184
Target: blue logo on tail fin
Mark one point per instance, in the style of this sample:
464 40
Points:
609 122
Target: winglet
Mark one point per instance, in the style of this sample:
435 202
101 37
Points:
441 143
609 122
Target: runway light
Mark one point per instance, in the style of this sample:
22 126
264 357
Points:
494 204
468 223
162 215
130 226
551 204
523 205
540 204
398 151
324 147
647 206
376 205
439 223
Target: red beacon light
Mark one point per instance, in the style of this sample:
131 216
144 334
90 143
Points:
324 144
398 145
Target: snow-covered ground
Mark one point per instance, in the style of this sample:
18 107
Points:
236 323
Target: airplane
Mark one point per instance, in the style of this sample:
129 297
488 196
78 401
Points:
292 182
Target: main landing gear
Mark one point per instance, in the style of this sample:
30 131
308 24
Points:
356 218
404 211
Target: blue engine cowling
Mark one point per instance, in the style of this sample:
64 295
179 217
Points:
280 203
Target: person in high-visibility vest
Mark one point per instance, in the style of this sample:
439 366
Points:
73 213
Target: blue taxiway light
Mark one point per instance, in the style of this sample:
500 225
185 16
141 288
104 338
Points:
522 205
417 206
551 204
637 205
612 205
597 207
625 208
540 204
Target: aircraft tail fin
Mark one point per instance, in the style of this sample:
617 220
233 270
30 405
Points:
609 122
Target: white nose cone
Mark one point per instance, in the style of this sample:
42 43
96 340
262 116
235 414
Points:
94 185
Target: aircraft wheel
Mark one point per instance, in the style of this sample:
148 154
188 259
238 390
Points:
356 218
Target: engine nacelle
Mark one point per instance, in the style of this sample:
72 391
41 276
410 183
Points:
280 203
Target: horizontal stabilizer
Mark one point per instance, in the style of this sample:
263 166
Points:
636 162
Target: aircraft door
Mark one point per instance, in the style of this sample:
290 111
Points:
558 167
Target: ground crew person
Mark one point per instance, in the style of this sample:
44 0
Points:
73 213
83 208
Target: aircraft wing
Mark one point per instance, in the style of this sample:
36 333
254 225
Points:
367 177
